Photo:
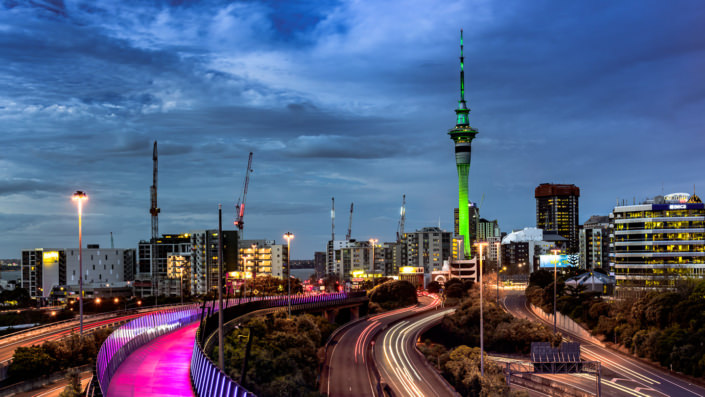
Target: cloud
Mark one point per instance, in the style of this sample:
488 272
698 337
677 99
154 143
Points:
339 98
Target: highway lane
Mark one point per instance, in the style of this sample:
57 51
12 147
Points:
349 370
7 347
401 366
624 374
55 389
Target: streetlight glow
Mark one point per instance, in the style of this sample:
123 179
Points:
482 320
79 197
555 251
288 236
373 241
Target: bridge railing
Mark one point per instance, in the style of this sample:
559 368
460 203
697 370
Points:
207 379
132 335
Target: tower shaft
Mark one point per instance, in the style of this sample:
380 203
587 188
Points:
463 213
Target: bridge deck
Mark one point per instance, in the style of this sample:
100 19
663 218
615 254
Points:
159 368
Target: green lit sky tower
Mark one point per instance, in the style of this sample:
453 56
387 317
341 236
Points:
463 135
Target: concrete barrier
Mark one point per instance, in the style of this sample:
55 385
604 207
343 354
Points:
548 386
564 322
41 381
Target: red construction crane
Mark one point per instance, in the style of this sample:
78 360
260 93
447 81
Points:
240 206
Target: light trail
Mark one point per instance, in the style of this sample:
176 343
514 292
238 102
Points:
600 353
362 340
395 344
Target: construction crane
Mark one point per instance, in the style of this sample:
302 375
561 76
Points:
154 211
240 206
332 220
347 236
402 219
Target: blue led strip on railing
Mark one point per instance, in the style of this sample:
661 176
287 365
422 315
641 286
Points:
206 377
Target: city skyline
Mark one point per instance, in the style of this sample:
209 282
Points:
338 99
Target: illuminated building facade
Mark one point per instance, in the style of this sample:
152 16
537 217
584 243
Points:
43 268
394 257
487 229
462 135
414 275
334 263
557 211
657 244
203 254
262 257
428 248
595 243
154 267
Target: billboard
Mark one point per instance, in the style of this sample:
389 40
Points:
549 261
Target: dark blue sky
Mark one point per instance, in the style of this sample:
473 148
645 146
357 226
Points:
344 99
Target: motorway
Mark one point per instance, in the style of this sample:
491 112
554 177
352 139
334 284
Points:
401 367
8 345
350 370
55 389
621 375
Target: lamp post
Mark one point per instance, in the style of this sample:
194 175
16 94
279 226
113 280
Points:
555 251
499 257
78 197
288 236
482 319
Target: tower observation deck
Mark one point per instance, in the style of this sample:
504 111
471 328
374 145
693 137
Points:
463 135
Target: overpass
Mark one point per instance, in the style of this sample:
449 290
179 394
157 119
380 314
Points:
156 340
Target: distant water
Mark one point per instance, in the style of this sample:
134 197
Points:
302 274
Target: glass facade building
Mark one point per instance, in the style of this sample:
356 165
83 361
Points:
654 246
557 211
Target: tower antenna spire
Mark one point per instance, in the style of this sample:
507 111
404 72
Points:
462 73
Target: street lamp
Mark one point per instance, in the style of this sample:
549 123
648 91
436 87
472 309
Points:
288 236
482 319
555 251
79 197
499 260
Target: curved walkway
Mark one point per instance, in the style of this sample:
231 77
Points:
159 368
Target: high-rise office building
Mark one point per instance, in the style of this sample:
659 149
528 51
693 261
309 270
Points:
428 248
595 243
657 244
487 229
199 248
263 258
557 211
46 268
462 135
204 258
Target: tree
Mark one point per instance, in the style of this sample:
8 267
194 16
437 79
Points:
73 389
393 294
541 278
433 287
30 362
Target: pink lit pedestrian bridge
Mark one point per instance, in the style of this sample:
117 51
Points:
162 354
